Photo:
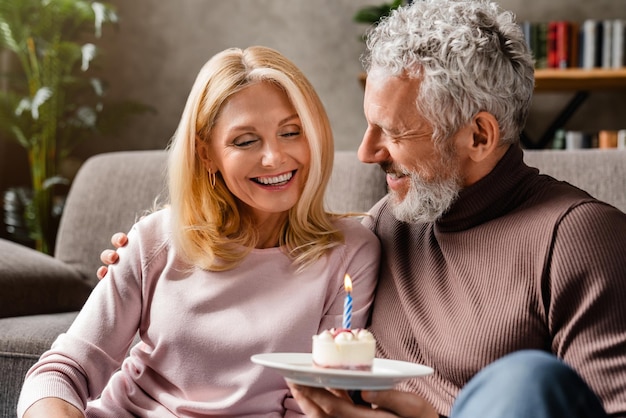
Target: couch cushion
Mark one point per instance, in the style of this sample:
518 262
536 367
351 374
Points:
22 341
35 283
599 172
110 192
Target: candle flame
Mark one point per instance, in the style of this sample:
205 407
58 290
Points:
347 283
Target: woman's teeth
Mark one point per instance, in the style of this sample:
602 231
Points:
275 180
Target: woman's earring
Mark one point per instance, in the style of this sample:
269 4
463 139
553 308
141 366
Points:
212 179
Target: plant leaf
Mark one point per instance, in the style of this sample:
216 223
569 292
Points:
23 105
102 13
88 52
40 98
6 36
99 17
53 181
20 137
98 88
87 116
373 14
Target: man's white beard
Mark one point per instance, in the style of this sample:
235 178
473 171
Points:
426 201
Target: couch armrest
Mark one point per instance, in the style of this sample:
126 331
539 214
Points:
35 283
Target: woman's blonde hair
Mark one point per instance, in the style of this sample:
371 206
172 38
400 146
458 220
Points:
209 228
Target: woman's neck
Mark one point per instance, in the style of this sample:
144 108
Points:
269 230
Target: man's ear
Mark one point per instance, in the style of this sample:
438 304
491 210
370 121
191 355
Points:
202 149
485 136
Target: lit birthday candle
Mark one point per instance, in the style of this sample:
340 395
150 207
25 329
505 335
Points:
347 305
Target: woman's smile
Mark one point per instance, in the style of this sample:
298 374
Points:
276 180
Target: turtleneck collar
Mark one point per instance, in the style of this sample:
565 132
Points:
492 196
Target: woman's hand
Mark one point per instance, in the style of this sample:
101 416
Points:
109 257
322 403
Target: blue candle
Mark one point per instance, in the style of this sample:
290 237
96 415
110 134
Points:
347 305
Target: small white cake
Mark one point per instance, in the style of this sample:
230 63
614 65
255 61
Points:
344 349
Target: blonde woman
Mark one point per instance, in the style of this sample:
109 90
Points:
244 260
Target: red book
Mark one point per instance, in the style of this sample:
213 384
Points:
551 45
574 45
562 44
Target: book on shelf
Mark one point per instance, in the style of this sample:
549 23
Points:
619 43
603 139
621 139
541 45
579 140
552 45
607 139
606 44
590 44
597 59
574 45
588 37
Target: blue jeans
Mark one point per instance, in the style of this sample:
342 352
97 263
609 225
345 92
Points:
529 384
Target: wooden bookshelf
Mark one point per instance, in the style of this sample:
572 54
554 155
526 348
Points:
571 79
578 79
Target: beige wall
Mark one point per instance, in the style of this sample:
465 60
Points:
160 45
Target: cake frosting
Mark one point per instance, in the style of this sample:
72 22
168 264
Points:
344 349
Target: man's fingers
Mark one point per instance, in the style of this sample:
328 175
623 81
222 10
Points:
404 404
309 407
320 403
119 239
101 272
109 257
340 393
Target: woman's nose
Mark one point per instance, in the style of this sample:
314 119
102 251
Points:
272 154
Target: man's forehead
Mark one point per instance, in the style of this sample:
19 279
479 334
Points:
380 73
382 89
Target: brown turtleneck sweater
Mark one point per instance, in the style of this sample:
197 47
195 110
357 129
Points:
520 261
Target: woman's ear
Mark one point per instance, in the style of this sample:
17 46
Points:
485 136
202 149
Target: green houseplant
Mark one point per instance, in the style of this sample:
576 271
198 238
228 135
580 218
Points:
372 14
53 100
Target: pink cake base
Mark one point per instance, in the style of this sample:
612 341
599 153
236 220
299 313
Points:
364 368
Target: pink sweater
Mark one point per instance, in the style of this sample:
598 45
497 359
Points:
198 329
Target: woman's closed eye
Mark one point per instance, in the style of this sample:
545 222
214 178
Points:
290 132
249 139
245 140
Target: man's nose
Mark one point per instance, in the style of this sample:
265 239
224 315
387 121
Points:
372 149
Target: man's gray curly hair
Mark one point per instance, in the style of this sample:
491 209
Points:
472 56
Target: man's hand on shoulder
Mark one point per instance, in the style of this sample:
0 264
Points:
108 256
322 403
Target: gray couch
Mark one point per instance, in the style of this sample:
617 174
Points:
39 295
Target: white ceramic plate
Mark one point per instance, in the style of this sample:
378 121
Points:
298 368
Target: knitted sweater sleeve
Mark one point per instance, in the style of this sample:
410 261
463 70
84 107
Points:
585 298
80 362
